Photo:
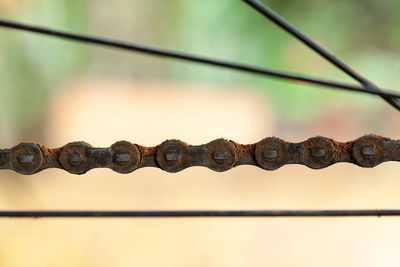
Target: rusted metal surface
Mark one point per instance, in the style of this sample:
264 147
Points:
219 155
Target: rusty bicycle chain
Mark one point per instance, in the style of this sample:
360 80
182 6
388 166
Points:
219 155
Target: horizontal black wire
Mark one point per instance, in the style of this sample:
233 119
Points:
271 15
200 213
192 58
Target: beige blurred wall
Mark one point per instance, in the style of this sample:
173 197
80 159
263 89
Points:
104 111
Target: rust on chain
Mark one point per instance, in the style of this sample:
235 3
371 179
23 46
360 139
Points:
219 155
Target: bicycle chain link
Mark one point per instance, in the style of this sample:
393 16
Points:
219 155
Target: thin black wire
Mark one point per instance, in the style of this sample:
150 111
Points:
192 58
199 213
271 15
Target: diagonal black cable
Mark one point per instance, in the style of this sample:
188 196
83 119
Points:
192 58
198 213
318 49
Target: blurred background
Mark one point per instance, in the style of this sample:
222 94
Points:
55 91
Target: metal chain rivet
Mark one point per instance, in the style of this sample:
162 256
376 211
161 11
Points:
270 154
26 159
75 158
122 157
171 155
220 156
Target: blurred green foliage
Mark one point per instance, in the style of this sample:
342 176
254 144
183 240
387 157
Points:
32 66
364 33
